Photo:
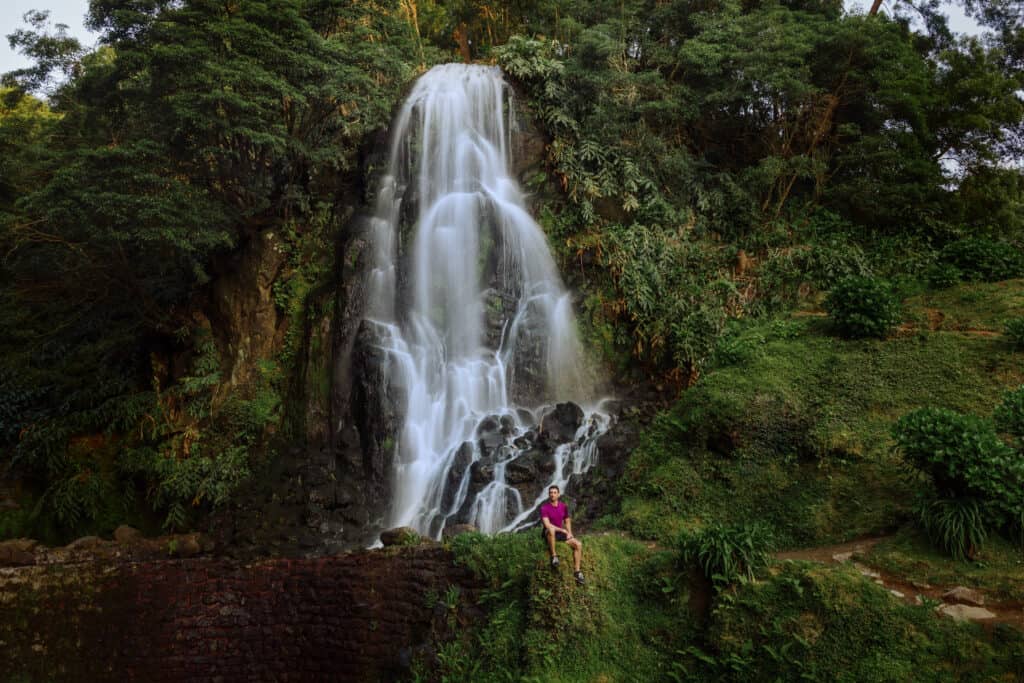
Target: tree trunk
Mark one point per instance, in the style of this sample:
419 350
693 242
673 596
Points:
462 38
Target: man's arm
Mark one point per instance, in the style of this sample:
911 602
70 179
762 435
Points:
568 526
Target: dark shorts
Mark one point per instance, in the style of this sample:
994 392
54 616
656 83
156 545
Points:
559 535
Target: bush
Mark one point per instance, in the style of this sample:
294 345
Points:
1014 330
983 259
956 526
947 446
726 554
1009 415
966 461
943 275
863 307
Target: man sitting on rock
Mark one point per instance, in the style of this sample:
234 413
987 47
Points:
555 517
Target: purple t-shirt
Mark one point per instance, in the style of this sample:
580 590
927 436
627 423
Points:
556 514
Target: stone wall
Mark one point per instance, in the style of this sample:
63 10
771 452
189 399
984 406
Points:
356 617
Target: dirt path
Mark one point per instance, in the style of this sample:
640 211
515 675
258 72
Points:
914 593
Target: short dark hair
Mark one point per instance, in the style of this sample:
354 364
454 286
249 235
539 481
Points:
555 487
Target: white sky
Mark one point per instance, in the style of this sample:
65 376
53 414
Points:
72 13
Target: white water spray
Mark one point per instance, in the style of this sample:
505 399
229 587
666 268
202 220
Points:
469 306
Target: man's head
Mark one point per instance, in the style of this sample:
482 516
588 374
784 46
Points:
553 493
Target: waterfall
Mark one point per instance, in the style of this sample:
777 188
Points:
467 302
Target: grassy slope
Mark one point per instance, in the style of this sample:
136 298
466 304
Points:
795 432
792 430
798 621
623 625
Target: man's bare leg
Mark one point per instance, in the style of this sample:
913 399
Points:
551 541
577 552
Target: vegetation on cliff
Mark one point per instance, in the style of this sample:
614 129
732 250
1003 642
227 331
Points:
196 135
705 164
175 219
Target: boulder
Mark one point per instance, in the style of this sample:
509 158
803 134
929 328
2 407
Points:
489 434
85 544
126 535
189 545
964 596
526 440
18 552
965 612
481 474
463 459
508 425
402 535
454 530
560 425
531 467
84 549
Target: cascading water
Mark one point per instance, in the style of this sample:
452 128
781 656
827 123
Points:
468 304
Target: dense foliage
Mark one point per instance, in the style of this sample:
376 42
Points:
724 153
978 479
726 554
711 170
1009 414
706 163
196 129
983 259
863 307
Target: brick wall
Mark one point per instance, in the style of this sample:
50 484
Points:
356 617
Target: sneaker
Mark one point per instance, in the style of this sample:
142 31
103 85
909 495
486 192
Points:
554 561
579 578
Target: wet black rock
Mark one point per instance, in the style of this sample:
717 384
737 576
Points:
560 425
489 434
526 440
526 416
402 535
461 462
533 467
508 425
481 473
599 492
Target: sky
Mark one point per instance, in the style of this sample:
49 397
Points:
72 13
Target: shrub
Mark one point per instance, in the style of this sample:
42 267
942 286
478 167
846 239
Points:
727 554
1014 330
946 446
863 307
966 460
983 259
956 526
1009 415
943 275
